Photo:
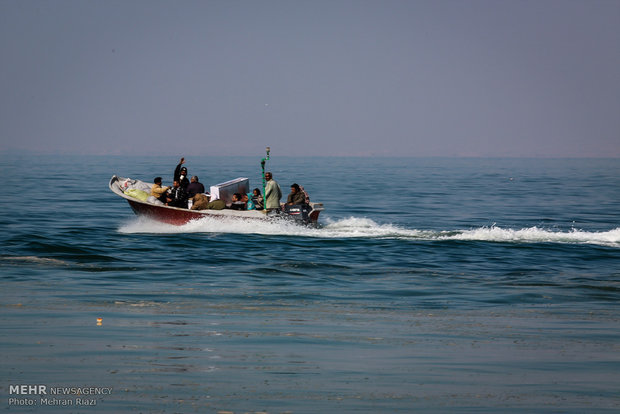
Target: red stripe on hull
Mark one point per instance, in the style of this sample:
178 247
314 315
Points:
165 214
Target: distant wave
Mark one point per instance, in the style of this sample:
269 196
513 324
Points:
366 228
34 260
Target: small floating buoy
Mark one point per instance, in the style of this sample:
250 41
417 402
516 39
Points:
99 321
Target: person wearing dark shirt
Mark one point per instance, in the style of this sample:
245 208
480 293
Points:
180 175
195 187
237 203
177 196
296 196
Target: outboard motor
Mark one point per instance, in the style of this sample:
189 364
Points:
299 212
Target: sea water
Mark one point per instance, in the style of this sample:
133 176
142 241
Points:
430 285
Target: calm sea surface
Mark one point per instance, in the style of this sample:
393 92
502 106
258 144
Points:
432 285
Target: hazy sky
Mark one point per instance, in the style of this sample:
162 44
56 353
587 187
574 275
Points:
414 78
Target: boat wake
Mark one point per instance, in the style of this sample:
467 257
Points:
366 228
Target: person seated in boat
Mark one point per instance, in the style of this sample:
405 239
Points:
194 187
249 204
158 191
237 203
296 196
257 199
180 175
200 201
177 196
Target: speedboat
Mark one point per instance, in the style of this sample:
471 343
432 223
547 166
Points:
137 194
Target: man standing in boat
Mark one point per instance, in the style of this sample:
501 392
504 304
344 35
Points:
273 194
180 175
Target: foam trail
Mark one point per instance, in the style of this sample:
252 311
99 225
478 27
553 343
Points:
346 228
364 227
354 227
537 235
217 225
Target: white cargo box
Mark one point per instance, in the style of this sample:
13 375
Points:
225 191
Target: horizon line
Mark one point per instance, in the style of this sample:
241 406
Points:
13 152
